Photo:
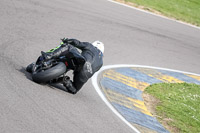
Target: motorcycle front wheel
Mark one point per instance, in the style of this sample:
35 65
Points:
49 74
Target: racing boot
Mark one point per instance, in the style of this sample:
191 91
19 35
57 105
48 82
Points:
69 85
57 80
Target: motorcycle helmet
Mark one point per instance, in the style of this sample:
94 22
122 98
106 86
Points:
99 45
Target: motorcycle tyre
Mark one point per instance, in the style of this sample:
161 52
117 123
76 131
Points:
49 74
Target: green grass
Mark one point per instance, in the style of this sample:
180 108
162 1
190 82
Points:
184 10
179 103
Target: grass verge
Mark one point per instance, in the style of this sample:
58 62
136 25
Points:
184 10
178 106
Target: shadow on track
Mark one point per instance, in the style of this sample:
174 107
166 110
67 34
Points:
51 85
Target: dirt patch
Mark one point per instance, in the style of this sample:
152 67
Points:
151 103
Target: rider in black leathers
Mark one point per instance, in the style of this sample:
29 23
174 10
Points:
90 60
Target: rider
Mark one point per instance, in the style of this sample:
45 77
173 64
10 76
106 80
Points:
90 61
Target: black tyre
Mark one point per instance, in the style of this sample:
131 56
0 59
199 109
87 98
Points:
49 74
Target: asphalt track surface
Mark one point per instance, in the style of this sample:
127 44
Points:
130 37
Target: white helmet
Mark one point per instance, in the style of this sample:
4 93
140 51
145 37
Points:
99 45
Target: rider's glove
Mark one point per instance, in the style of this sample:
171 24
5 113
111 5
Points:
67 41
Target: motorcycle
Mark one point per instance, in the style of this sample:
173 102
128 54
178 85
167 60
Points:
48 71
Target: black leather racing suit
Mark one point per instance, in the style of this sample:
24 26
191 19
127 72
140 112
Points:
93 62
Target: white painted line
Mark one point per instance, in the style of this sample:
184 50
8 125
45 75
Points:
96 86
128 65
154 14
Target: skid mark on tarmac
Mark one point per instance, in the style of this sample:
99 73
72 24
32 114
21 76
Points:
123 87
